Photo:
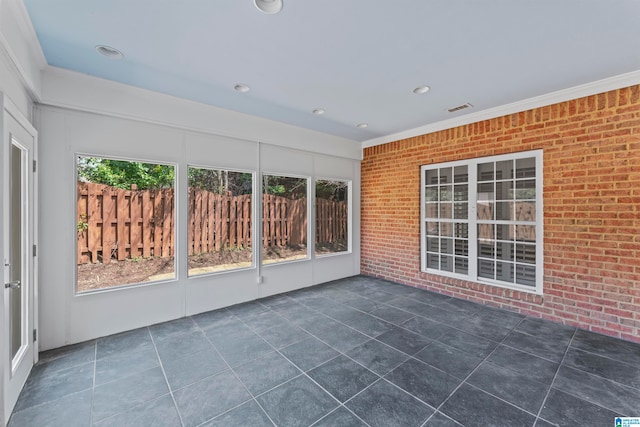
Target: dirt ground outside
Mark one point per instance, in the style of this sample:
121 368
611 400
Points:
141 270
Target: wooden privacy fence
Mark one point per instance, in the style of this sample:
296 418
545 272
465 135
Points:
119 224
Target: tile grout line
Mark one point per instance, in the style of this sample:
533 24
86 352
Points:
570 393
305 373
464 381
164 374
93 386
544 401
230 368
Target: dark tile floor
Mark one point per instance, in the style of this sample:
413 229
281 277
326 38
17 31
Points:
354 352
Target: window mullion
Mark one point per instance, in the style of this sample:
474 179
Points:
473 226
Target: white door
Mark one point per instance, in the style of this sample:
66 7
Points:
18 292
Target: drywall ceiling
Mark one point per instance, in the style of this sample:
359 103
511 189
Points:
358 60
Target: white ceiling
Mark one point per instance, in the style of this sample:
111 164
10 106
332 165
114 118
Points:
357 59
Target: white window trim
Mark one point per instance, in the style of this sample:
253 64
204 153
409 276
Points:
349 250
472 218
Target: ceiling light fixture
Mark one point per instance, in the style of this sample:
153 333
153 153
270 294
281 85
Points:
318 111
421 89
241 88
362 125
268 6
109 52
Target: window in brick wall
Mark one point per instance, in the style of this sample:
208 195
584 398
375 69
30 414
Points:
482 220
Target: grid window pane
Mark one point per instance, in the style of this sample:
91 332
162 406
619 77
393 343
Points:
431 194
462 230
504 272
504 251
446 229
446 175
433 228
446 193
486 249
462 247
431 210
431 176
461 211
526 189
446 263
433 261
462 265
446 246
504 170
526 233
433 244
526 253
504 211
526 168
461 174
485 172
525 211
446 210
461 193
486 269
526 275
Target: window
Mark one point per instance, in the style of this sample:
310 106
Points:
125 223
482 220
284 218
219 222
332 216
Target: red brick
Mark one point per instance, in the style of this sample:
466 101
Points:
591 198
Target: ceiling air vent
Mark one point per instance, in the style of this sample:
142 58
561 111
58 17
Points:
460 107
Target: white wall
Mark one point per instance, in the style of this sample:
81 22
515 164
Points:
66 318
19 83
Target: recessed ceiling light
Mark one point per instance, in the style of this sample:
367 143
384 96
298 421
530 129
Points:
421 89
318 111
362 125
268 6
241 88
109 52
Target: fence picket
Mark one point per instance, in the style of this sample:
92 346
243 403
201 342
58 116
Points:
121 224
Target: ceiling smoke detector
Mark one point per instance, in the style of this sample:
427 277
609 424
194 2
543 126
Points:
268 6
460 107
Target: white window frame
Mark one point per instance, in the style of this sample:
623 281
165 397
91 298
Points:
252 226
472 165
176 220
349 217
310 232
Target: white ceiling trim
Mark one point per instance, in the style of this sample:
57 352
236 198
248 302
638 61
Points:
600 86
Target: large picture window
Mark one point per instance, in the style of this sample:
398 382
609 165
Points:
482 220
125 224
284 218
219 223
332 216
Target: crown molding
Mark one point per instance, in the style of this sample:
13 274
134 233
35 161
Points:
593 88
25 55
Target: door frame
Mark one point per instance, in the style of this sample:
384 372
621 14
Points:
9 108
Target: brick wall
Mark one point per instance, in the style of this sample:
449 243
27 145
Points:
591 209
